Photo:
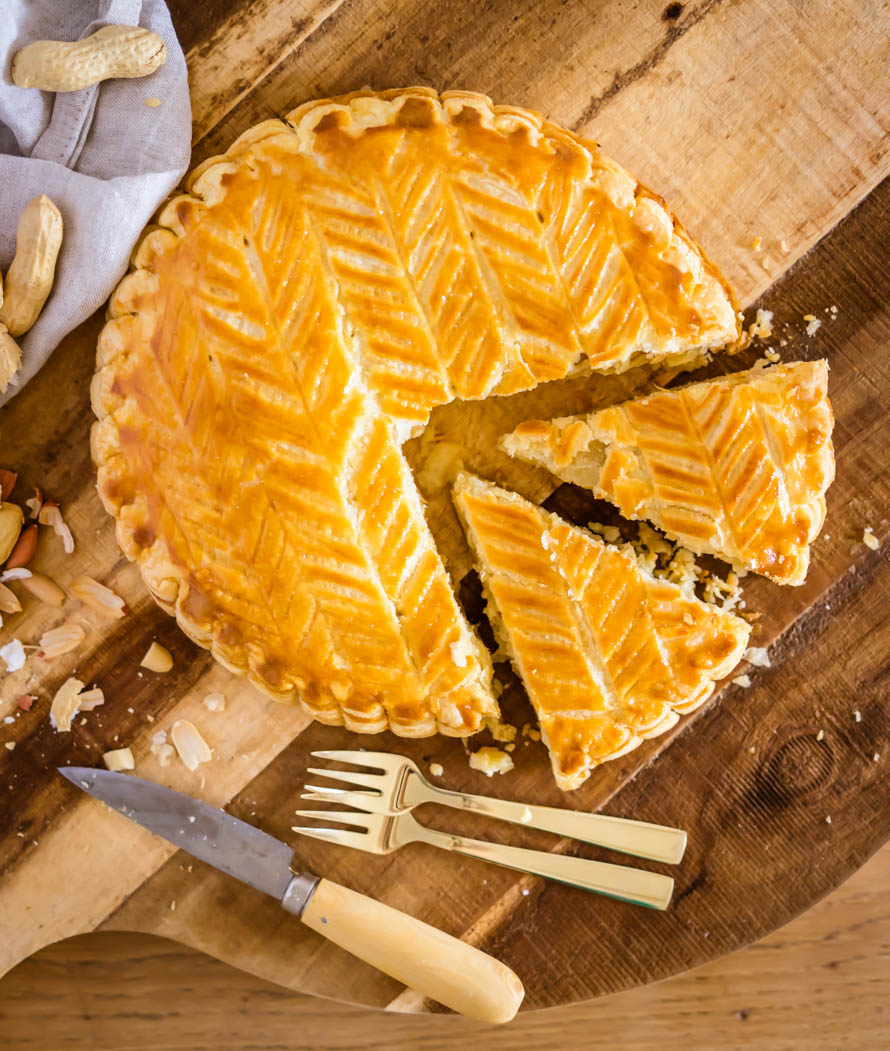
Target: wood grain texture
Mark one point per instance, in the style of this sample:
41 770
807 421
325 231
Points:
752 144
820 983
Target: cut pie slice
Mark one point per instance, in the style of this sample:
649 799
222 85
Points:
736 467
298 313
609 654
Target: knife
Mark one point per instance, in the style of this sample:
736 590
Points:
428 960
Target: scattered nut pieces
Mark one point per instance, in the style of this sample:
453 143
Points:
742 680
7 482
870 540
91 699
10 745
9 602
35 503
157 658
29 279
24 548
758 656
11 521
51 515
820 736
26 701
19 573
65 705
119 759
215 702
857 715
110 52
98 597
44 589
436 769
60 640
14 655
490 761
190 746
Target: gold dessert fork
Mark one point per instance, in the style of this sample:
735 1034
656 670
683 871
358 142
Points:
384 833
394 784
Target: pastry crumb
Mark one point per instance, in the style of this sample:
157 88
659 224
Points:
813 324
490 761
870 540
742 680
857 715
501 731
820 736
876 756
758 656
752 749
828 819
436 769
153 102
757 243
762 325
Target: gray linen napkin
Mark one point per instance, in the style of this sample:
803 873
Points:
105 158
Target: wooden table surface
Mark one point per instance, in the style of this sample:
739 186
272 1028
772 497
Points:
819 983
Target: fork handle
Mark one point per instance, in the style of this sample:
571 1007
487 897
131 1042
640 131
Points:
640 838
420 956
615 881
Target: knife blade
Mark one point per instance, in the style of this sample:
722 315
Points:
206 832
422 957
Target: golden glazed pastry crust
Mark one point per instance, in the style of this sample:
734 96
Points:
609 654
736 467
296 315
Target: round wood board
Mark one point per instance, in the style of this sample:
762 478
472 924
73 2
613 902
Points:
782 786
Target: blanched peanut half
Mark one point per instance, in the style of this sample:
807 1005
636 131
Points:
110 52
30 278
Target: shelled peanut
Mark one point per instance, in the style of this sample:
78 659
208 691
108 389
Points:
110 52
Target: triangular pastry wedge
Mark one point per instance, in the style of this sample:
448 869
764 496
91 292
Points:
736 466
609 654
298 313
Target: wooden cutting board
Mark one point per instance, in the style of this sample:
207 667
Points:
764 121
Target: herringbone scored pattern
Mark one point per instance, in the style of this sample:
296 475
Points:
607 653
736 466
328 284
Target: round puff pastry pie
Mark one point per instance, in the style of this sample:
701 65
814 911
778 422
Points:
608 654
298 313
736 467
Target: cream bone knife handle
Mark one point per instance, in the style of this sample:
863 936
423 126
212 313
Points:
640 838
422 957
615 881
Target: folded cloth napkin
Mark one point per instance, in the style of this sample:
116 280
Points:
102 155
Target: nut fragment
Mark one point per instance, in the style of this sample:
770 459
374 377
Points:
119 759
51 515
98 597
13 653
65 704
112 51
91 699
190 745
26 701
215 702
44 589
29 279
11 522
35 503
157 658
10 357
9 602
63 639
7 482
24 548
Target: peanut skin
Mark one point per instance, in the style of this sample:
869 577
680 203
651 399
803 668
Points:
111 52
30 278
